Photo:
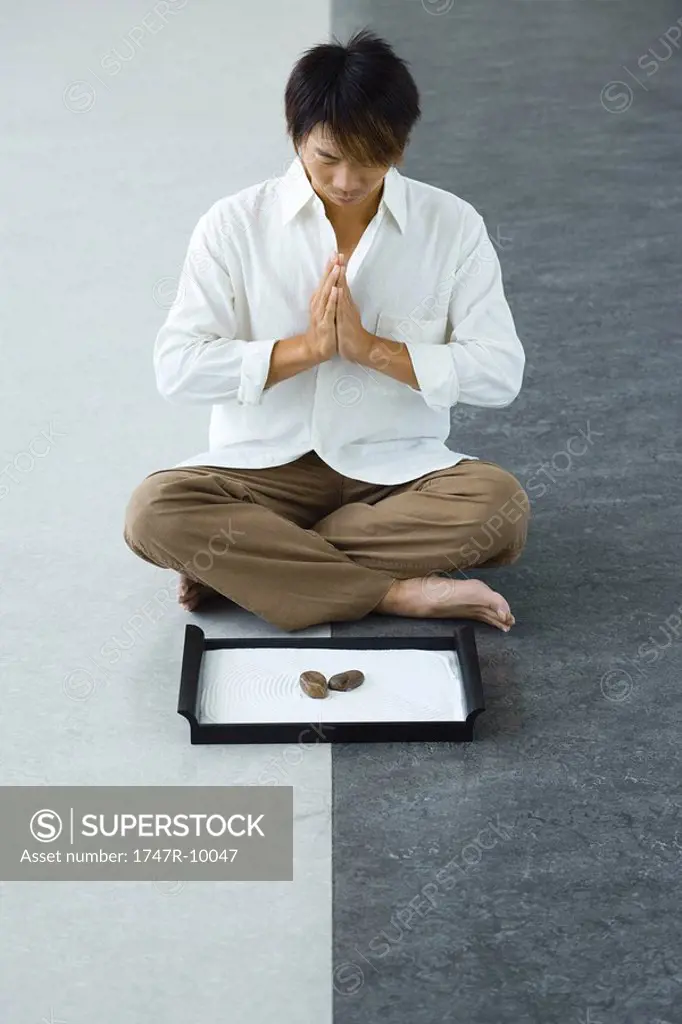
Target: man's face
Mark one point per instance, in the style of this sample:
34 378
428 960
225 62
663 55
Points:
343 183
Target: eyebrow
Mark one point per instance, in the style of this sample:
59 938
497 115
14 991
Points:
324 152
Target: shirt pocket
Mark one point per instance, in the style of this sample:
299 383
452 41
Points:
407 328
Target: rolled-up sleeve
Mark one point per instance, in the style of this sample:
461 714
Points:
434 368
483 361
197 356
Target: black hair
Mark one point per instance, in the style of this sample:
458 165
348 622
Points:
362 94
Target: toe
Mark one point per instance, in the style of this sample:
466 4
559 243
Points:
502 620
493 619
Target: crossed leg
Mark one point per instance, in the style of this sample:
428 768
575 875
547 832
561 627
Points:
473 514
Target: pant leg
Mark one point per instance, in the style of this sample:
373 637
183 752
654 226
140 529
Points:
473 514
247 534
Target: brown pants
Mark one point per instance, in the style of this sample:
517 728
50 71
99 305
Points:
301 544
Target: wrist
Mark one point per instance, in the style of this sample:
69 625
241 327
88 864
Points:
378 351
368 348
310 352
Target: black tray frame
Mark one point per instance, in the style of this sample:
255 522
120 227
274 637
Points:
462 640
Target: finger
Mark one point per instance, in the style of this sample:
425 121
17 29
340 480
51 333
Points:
331 304
332 280
320 291
318 303
322 294
324 280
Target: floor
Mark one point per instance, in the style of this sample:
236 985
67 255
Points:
526 877
564 914
104 175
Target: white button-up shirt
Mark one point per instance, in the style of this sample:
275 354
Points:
424 272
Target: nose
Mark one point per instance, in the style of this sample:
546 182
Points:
343 182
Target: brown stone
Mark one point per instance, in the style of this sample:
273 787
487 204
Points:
349 680
314 684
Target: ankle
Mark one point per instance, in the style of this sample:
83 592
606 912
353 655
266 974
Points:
389 601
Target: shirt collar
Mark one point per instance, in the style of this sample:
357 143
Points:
296 192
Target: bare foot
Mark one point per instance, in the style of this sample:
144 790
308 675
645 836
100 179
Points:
191 594
443 598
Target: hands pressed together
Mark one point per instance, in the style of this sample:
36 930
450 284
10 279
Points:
335 325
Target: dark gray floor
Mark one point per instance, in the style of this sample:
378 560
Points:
568 912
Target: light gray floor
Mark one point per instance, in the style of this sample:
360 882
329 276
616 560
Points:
569 916
103 177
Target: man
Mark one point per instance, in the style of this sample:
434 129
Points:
332 318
